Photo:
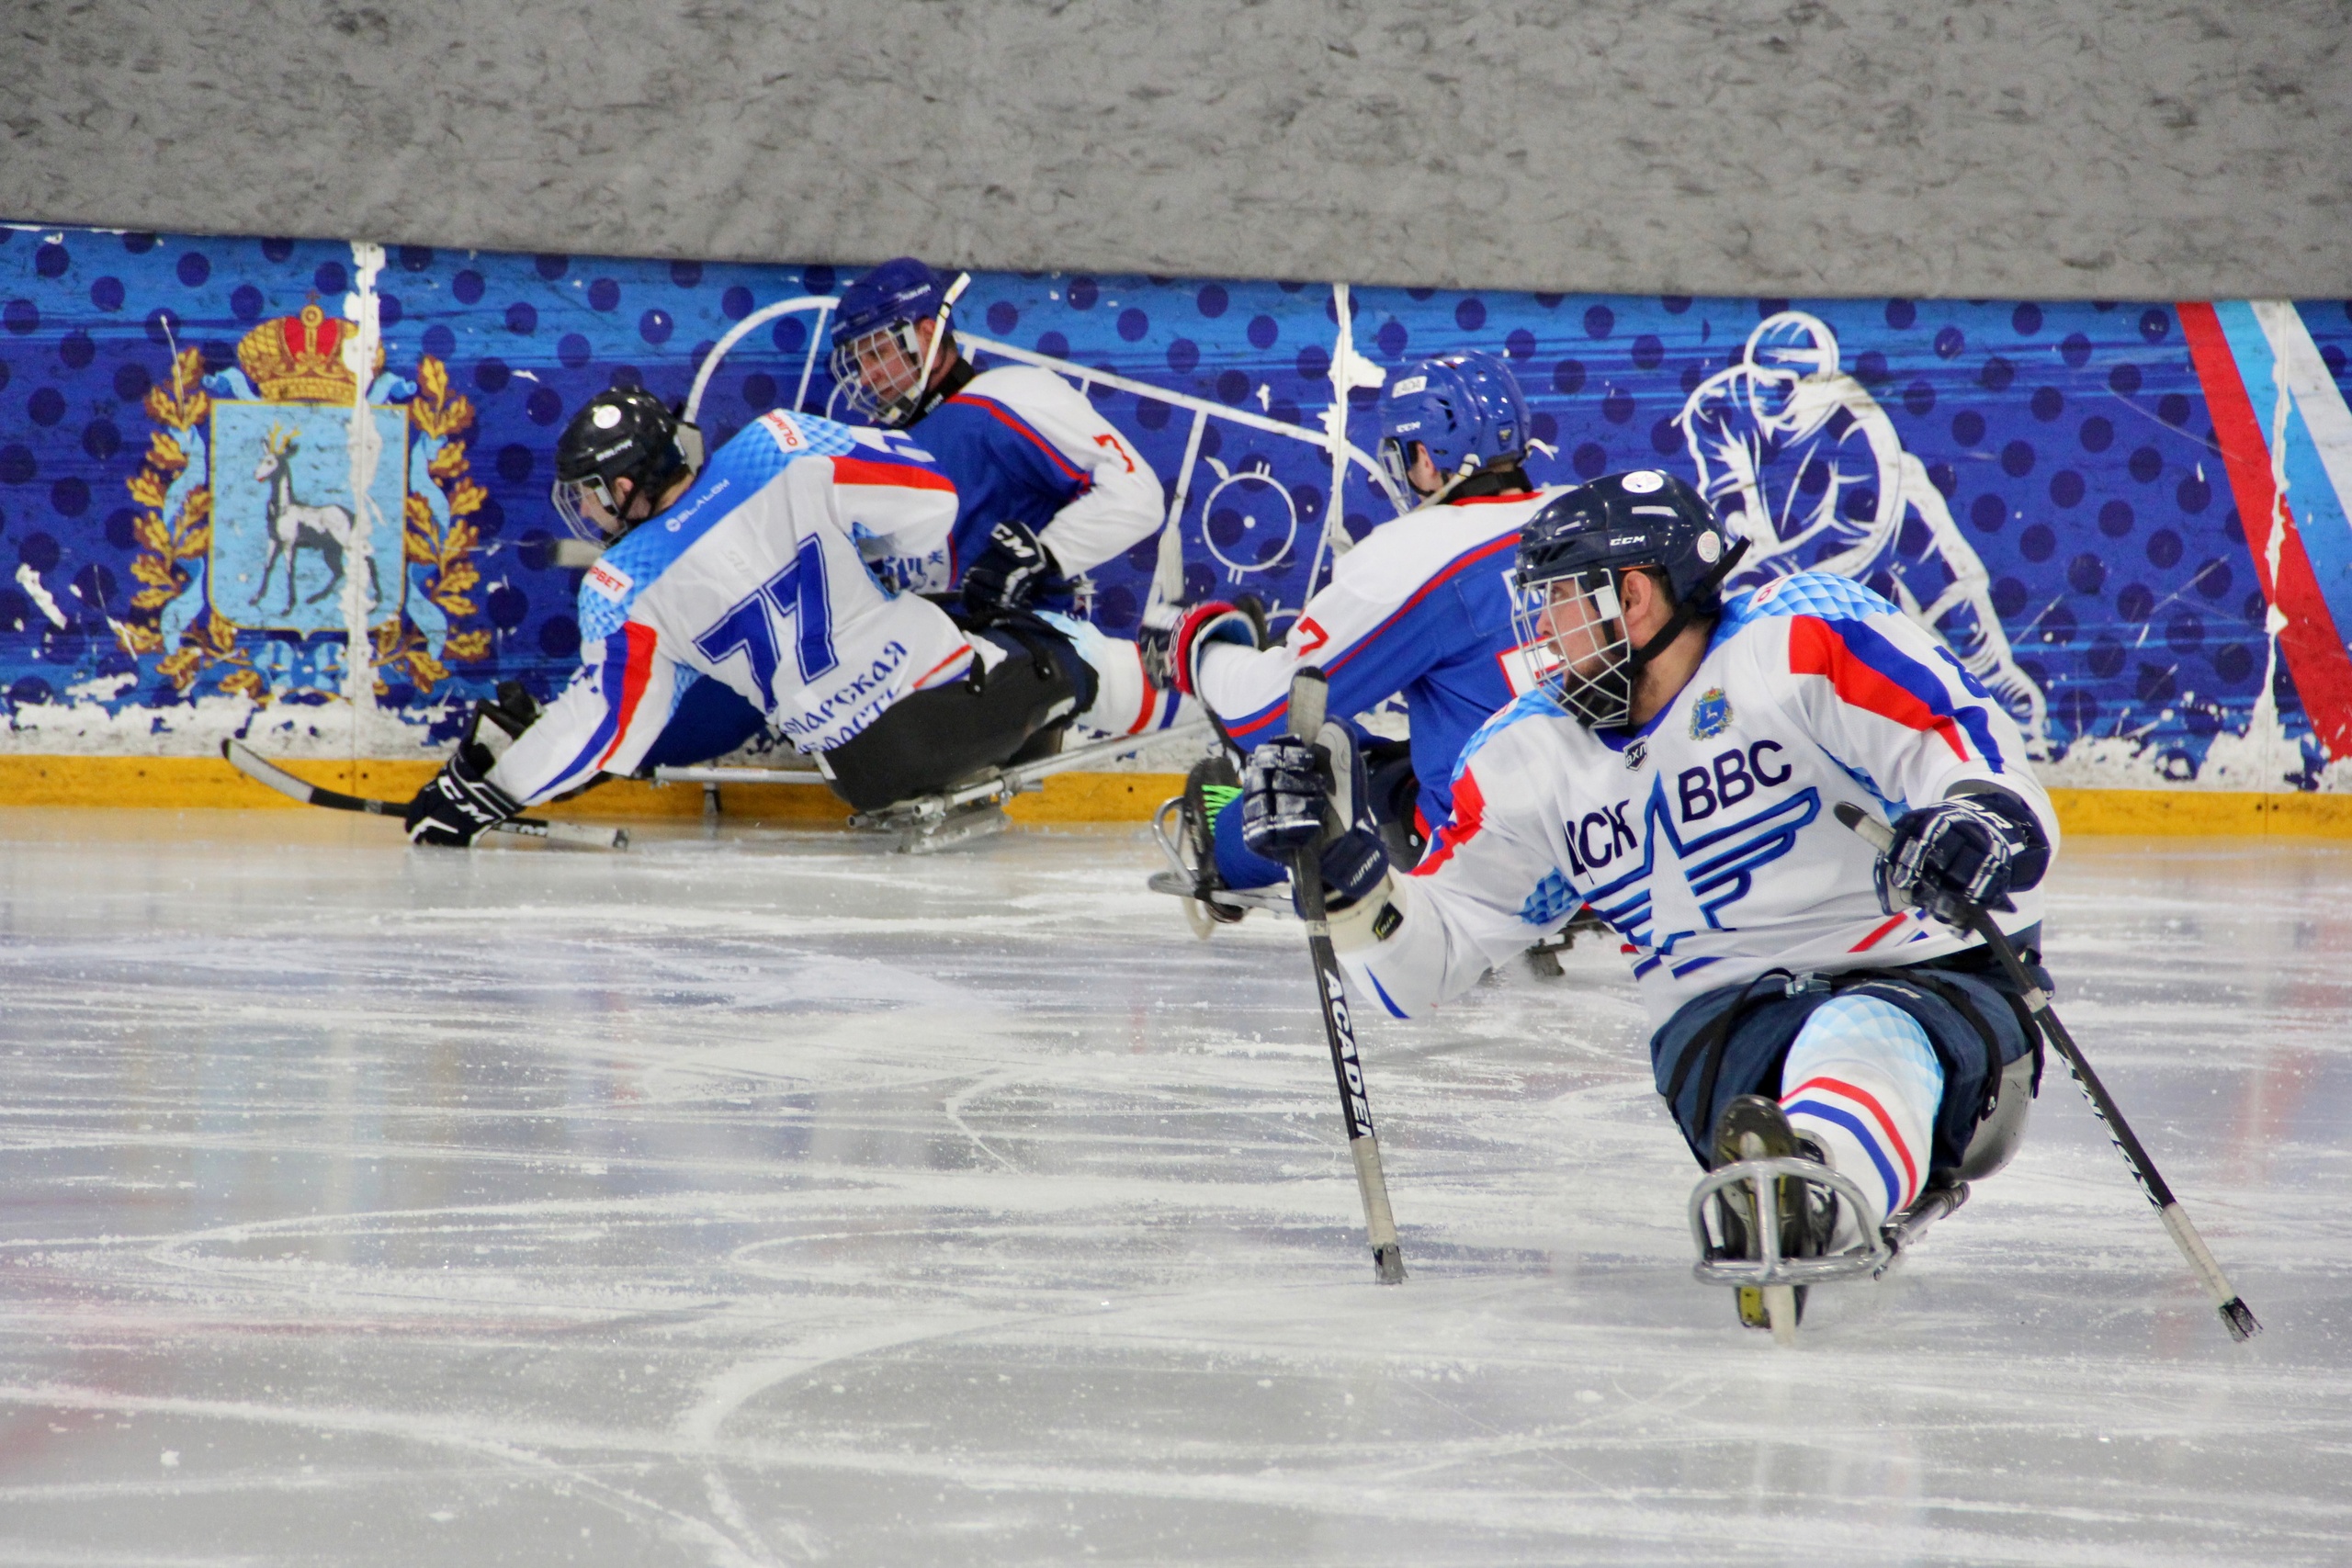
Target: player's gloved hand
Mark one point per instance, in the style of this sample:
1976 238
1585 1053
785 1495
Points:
1173 634
1288 791
1010 574
461 803
1965 852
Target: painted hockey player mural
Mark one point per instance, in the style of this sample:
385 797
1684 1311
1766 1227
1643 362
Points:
1798 456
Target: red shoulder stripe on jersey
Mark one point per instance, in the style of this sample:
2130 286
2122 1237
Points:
642 641
1816 649
1453 569
1469 816
881 471
1013 421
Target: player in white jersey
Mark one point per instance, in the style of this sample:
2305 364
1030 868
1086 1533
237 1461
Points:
772 570
1421 611
1680 772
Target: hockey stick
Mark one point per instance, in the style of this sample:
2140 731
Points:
2235 1316
1308 693
287 784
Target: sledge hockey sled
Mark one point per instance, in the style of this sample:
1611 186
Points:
925 824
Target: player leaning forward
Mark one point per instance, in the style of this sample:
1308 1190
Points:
769 569
1680 773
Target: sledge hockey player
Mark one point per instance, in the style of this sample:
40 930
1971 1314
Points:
1048 489
1421 610
1679 770
764 572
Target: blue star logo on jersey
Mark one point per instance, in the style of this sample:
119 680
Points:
1711 715
1717 867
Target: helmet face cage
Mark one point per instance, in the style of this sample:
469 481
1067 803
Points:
1572 629
1397 460
566 496
881 374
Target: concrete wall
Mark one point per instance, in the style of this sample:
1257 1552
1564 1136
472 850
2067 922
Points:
1650 146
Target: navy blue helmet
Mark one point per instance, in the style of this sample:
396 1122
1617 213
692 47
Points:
1465 409
881 365
1573 557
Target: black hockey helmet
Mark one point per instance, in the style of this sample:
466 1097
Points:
1573 556
623 433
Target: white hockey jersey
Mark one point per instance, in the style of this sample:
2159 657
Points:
1023 443
1420 610
759 577
1706 838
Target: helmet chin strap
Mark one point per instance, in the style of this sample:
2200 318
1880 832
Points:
918 397
1471 467
1685 611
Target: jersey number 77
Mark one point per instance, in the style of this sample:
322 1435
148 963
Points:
796 595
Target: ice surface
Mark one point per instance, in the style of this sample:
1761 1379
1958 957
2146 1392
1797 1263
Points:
772 1199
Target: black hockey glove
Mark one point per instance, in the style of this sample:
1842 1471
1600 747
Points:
461 803
1289 790
1965 852
1010 574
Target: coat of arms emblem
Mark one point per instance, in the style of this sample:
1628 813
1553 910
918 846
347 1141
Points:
266 502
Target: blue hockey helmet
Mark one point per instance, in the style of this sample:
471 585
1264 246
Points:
1465 409
881 365
1573 558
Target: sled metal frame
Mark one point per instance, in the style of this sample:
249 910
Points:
1868 1259
1179 880
974 809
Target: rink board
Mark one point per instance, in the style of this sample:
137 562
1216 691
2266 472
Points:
2128 517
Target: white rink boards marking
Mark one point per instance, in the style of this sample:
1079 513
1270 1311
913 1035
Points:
775 1199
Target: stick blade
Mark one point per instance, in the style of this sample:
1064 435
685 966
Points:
1388 1264
242 758
2238 1318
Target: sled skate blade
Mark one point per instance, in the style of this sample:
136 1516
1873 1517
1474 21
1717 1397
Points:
1785 1307
965 827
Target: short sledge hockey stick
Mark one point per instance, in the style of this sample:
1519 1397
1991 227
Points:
285 784
1308 693
2235 1316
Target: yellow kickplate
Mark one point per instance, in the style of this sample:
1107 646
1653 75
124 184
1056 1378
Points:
180 783
194 782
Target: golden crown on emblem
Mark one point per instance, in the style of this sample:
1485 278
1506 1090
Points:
298 359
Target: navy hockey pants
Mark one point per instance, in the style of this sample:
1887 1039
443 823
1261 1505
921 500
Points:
1732 1042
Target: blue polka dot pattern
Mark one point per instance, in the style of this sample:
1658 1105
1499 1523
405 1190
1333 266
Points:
2069 442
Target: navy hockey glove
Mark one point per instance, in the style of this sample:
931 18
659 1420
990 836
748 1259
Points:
1288 792
461 803
1173 634
1961 853
1010 574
